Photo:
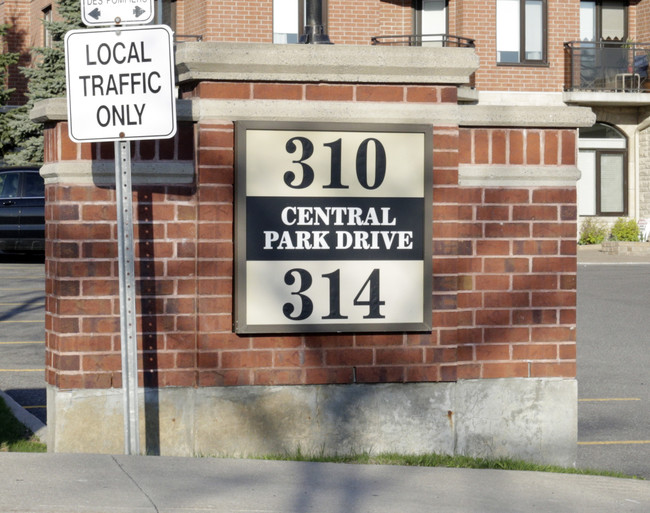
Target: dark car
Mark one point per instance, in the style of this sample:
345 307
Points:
22 210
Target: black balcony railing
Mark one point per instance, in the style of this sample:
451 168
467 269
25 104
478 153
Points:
607 66
184 38
444 40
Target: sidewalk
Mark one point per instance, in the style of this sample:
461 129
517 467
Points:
592 254
82 483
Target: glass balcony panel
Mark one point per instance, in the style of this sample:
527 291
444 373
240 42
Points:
607 66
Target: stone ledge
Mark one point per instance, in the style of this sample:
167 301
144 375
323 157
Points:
477 175
199 109
56 109
324 63
103 173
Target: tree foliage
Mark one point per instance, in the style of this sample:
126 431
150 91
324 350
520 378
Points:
46 79
6 60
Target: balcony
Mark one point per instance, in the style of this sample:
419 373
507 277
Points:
609 73
444 40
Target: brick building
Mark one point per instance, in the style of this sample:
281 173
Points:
603 74
493 373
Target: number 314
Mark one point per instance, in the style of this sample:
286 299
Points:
369 295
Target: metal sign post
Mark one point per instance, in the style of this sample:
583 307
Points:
120 83
128 326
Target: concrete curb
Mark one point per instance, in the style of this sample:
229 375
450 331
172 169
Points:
30 421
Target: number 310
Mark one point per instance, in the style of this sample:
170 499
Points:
307 148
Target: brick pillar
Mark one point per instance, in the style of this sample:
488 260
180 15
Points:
503 274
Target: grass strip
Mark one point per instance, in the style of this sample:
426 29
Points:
14 436
440 460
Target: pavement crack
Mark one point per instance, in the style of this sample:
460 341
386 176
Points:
136 484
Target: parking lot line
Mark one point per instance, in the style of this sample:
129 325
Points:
26 277
6 322
22 370
19 304
616 442
22 289
604 399
19 342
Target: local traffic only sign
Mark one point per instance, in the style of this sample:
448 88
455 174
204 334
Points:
116 12
120 83
333 227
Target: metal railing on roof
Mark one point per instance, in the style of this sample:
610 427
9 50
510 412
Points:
444 40
183 38
607 66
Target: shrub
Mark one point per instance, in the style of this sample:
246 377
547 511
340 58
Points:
625 229
592 231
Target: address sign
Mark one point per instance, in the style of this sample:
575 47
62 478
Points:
333 225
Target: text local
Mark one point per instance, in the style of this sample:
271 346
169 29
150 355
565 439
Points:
139 82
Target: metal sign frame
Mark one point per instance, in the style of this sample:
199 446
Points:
120 83
383 285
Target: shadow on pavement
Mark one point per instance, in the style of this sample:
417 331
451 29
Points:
34 400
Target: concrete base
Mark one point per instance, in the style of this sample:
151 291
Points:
529 419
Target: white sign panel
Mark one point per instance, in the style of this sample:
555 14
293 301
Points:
116 12
120 83
333 227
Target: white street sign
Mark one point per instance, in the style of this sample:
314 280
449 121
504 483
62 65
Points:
120 83
116 12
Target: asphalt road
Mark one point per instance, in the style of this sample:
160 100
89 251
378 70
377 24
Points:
613 368
22 331
613 357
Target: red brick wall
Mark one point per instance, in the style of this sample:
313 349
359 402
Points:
503 266
82 309
642 16
242 21
516 271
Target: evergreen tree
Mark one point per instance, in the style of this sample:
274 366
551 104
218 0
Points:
6 60
46 80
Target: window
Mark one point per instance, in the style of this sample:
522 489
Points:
286 26
603 20
289 20
602 160
166 13
521 31
430 21
47 35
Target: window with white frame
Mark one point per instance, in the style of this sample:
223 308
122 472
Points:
603 20
286 17
521 31
289 20
431 21
165 13
602 160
